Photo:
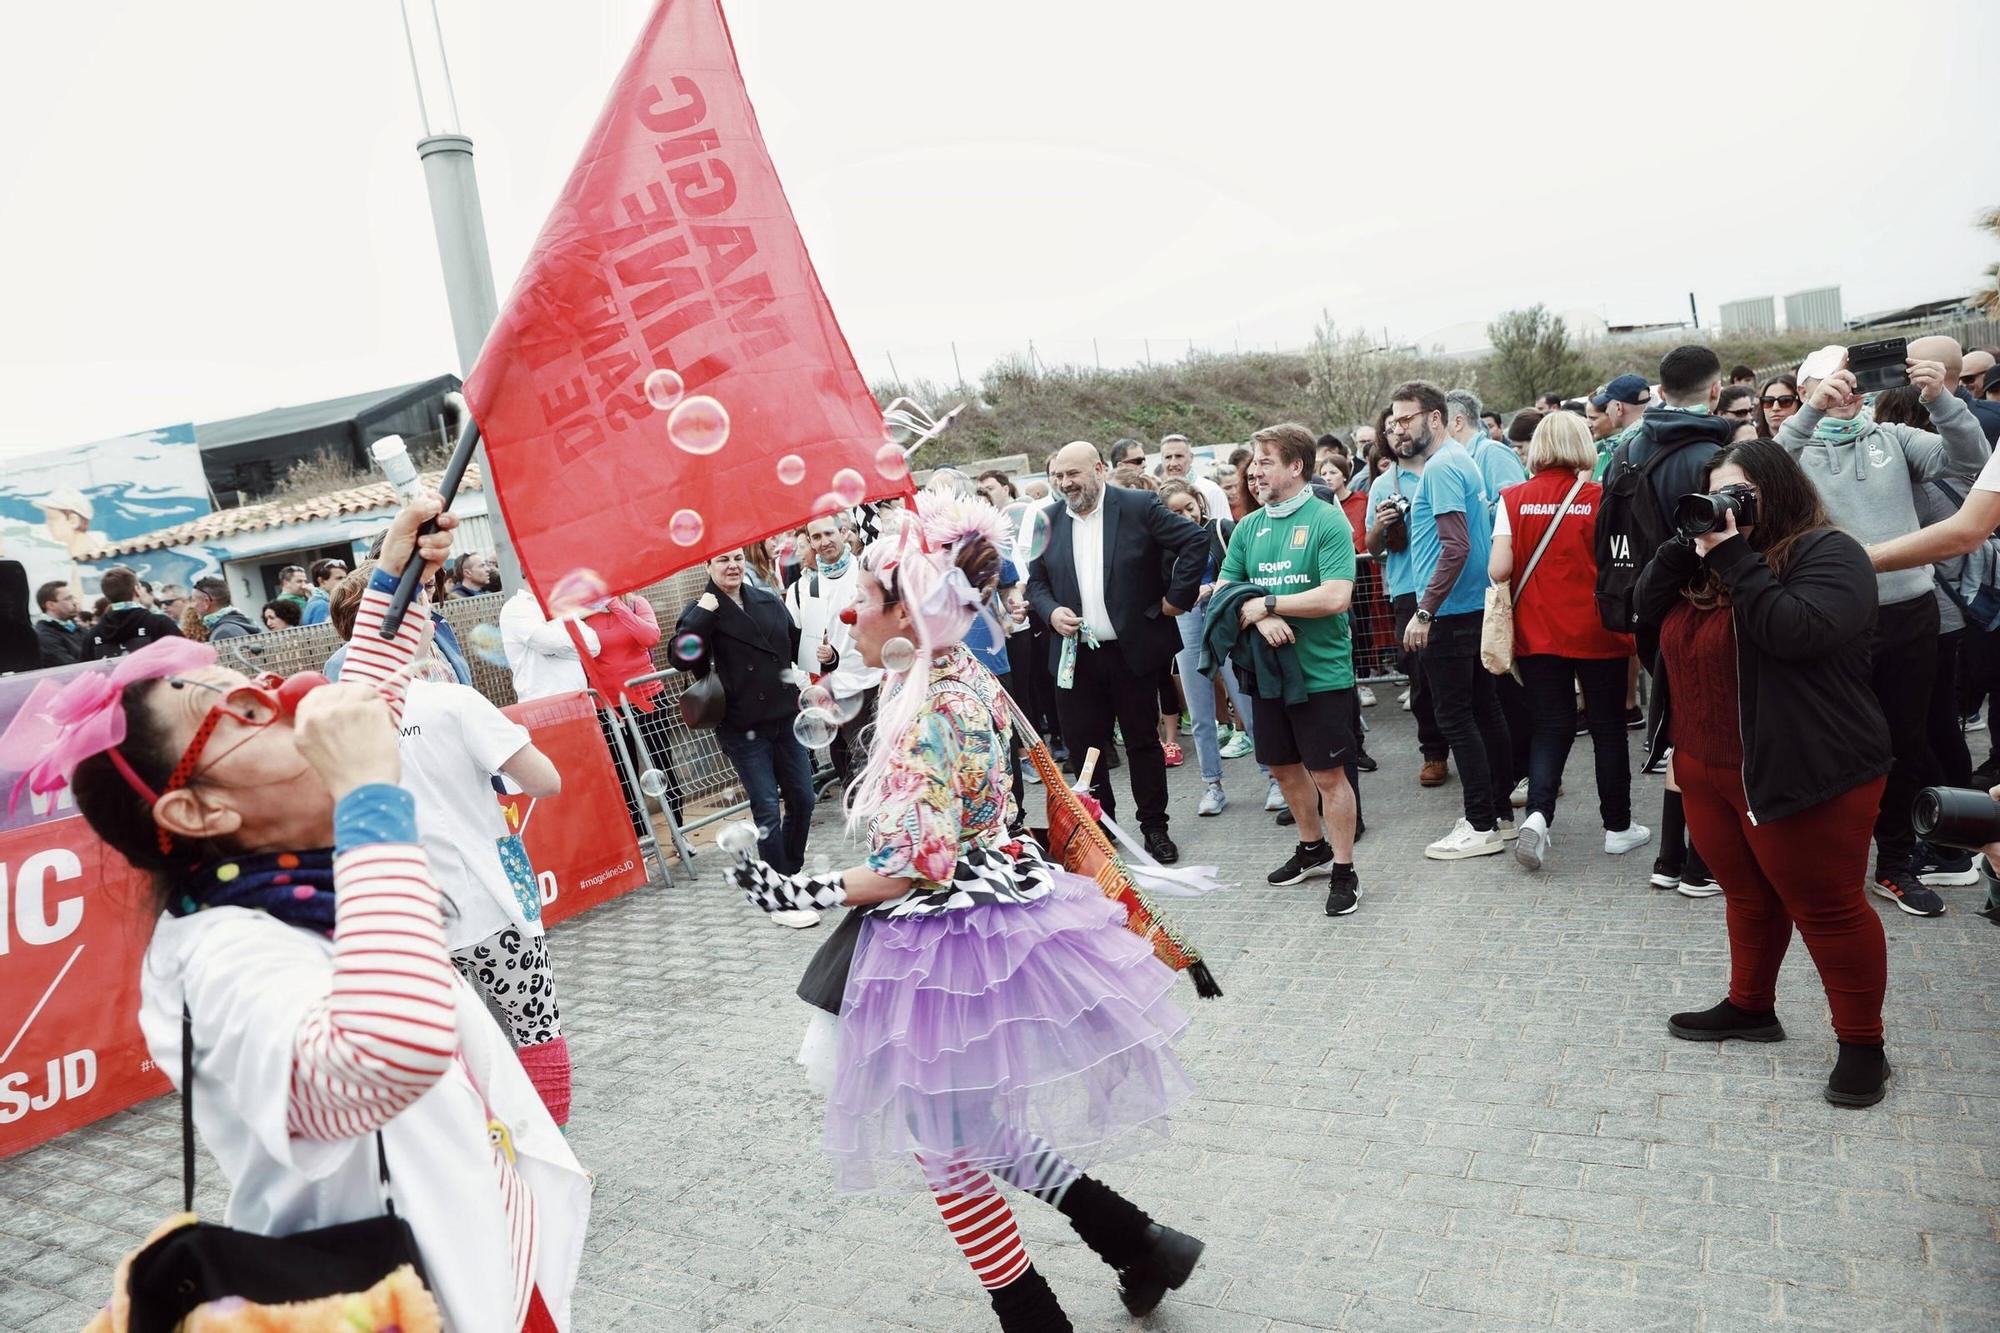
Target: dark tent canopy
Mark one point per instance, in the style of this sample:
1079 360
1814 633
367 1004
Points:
251 454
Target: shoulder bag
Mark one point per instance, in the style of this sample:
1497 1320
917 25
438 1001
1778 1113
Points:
1496 632
361 1263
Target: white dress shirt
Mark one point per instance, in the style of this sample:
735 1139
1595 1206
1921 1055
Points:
1086 545
539 651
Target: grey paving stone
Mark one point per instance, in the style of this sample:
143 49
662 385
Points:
1457 1109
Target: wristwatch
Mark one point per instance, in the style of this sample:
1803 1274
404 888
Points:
1423 617
1270 604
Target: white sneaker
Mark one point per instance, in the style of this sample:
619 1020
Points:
1505 829
1519 799
1213 801
802 919
1274 799
1403 701
1617 842
1532 844
1463 841
1028 772
1366 695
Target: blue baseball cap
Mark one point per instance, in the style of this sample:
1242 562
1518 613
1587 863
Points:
1625 389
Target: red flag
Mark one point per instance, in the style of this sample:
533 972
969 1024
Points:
672 246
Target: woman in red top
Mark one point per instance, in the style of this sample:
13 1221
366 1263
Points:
627 631
1559 643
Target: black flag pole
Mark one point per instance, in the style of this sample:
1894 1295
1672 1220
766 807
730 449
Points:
454 472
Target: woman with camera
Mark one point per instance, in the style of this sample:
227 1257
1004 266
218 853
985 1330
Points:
1765 613
298 958
1546 530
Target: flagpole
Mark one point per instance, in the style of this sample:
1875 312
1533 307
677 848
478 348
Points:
460 224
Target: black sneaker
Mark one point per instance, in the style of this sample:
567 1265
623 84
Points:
1365 761
1286 818
1307 860
1343 895
1635 718
1907 892
1664 876
1943 866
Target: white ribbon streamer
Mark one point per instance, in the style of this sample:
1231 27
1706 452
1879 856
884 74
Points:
1152 877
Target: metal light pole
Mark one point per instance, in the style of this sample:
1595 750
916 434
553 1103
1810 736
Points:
446 153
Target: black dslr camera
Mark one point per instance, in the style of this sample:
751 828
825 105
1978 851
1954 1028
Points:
1697 514
1955 817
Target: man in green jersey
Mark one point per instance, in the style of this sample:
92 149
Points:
1300 550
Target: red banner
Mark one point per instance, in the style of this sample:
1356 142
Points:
75 919
672 247
583 853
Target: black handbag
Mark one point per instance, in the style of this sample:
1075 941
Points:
204 1262
703 703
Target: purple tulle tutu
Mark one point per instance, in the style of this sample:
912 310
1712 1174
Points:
984 1036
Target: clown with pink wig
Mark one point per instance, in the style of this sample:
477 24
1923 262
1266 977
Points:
996 1022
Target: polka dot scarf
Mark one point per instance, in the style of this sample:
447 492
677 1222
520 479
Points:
295 887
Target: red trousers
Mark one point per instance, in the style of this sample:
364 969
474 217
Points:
1807 869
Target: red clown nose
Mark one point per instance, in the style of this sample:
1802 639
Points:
296 688
847 616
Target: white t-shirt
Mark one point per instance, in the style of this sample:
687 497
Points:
454 742
1989 476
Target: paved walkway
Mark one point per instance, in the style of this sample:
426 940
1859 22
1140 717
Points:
1456 1109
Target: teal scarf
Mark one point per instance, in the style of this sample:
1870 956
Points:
1286 508
1833 430
838 568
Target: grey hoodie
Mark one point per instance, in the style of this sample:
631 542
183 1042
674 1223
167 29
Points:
1866 483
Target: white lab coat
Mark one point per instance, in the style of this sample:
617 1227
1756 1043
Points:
249 980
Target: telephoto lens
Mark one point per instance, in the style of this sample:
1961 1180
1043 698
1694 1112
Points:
1695 515
1955 817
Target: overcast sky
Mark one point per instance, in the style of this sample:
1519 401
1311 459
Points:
214 206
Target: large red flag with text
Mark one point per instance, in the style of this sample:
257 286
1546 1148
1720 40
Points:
672 247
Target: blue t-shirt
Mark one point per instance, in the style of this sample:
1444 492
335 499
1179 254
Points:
1499 468
980 639
1451 484
1399 576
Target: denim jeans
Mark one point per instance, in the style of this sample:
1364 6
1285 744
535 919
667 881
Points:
1551 683
774 767
1201 697
1468 713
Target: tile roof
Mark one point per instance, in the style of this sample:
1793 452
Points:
225 523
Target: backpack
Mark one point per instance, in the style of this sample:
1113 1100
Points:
1975 587
1631 528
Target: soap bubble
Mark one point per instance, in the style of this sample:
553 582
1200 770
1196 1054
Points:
816 697
653 782
791 469
687 647
436 671
578 590
849 708
664 388
484 641
699 425
899 655
892 463
828 504
849 487
685 527
738 839
795 678
1034 534
815 728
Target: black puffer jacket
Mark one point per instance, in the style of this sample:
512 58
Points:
1810 725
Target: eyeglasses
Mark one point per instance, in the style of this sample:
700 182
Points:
1739 413
1403 422
254 705
1782 400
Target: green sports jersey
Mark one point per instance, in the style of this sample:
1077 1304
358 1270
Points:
1296 554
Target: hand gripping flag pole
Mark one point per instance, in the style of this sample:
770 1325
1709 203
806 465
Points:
454 473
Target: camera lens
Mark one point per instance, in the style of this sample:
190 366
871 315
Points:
1955 817
1697 514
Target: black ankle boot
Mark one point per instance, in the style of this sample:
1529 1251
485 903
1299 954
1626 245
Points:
1724 1022
1860 1076
1027 1305
1150 1259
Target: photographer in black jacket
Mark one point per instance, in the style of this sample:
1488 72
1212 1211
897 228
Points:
1764 691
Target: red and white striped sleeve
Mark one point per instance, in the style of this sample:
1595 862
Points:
374 660
386 1031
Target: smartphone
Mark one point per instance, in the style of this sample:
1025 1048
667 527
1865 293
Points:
1880 365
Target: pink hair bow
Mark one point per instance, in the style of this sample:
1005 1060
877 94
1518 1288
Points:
64 722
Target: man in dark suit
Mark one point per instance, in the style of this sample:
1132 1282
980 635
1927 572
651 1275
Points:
1118 567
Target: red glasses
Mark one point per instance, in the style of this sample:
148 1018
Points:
254 705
